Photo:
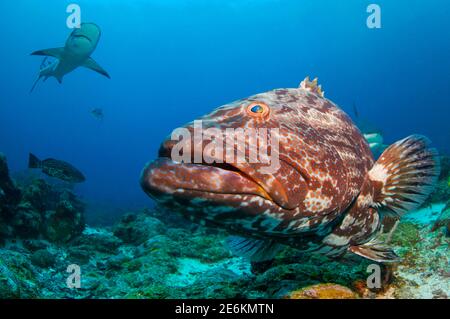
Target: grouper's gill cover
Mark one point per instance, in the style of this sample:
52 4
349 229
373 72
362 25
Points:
324 165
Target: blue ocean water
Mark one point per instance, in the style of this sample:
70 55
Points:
174 60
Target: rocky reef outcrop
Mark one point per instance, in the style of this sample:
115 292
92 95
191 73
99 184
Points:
9 198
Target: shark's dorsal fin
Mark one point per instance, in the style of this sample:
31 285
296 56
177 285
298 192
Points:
312 86
55 52
94 66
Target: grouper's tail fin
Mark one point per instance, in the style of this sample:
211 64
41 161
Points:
405 175
33 161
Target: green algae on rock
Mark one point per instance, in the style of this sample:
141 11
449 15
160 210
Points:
18 278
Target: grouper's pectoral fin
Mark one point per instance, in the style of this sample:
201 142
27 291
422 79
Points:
253 249
94 66
55 52
400 181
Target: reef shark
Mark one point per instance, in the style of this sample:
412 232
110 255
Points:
77 52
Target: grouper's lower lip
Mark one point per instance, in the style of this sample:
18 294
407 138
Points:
164 176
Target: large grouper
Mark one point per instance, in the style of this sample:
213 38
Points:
329 196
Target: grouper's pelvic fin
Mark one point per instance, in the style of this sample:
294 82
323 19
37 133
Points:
400 181
376 250
253 249
312 86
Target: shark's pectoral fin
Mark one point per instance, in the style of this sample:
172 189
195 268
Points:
55 52
94 66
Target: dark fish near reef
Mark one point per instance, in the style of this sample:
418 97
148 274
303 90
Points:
98 113
329 196
56 168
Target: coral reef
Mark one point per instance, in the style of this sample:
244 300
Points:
18 278
155 254
38 210
136 229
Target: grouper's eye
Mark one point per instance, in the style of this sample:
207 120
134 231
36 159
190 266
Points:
258 109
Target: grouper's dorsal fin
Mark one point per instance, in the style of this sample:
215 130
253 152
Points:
312 86
55 52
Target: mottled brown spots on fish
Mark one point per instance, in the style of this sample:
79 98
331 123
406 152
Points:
323 158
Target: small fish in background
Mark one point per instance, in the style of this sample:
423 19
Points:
77 52
98 113
56 168
372 134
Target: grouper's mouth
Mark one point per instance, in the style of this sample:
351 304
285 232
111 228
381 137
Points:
164 178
